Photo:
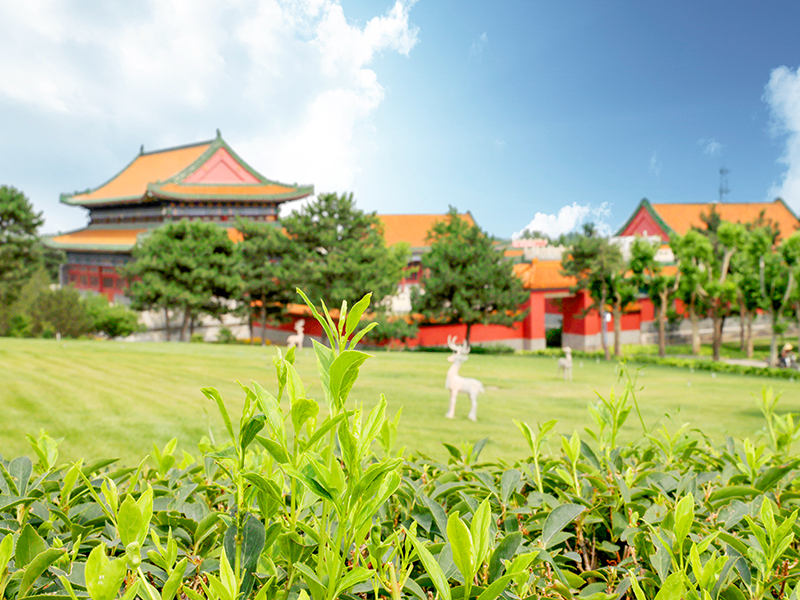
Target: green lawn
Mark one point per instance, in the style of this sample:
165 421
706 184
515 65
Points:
115 399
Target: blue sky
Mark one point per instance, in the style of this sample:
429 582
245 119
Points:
553 111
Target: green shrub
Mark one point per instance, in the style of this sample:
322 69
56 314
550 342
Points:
291 505
20 326
225 336
197 338
113 320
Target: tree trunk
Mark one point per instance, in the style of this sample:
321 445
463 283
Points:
191 327
797 317
250 322
662 328
604 325
716 342
773 345
166 321
469 329
695 330
263 317
749 335
184 325
742 318
617 330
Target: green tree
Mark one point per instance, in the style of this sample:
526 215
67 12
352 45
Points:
596 264
339 251
745 274
660 287
20 250
467 280
776 282
692 251
188 266
114 320
60 311
265 266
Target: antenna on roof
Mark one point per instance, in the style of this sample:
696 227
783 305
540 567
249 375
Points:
723 184
141 149
219 135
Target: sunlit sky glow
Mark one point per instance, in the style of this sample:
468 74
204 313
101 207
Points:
522 112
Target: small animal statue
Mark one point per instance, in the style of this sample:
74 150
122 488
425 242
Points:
455 383
296 340
565 364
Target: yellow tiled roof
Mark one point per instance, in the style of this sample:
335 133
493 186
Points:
682 217
543 275
413 229
146 168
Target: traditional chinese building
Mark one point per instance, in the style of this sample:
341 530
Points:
650 219
205 181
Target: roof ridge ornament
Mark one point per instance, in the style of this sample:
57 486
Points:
219 134
141 149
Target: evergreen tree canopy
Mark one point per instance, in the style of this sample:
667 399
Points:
596 264
340 252
466 279
188 266
265 266
20 250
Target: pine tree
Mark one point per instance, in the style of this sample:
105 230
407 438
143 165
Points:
265 266
188 266
466 279
20 249
339 252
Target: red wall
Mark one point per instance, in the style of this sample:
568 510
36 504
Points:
102 280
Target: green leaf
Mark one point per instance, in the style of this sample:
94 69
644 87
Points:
481 531
173 583
505 550
213 395
354 316
326 426
328 330
432 568
462 545
103 576
303 410
557 520
38 566
294 384
251 428
29 545
496 588
269 487
672 589
129 521
354 577
684 516
344 372
20 469
6 549
275 449
311 579
772 476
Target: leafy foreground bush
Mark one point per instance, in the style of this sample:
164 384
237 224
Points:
334 511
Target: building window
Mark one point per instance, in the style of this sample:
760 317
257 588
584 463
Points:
108 282
83 279
93 281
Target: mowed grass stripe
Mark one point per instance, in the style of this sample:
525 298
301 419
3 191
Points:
115 399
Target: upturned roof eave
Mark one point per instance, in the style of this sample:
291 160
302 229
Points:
155 191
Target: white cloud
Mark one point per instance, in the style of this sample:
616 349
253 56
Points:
569 218
478 44
289 82
711 147
655 164
782 94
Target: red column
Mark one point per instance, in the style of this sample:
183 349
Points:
580 333
533 331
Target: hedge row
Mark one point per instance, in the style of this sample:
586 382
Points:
291 505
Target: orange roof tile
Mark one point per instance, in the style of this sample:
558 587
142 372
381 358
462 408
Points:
413 229
99 237
267 189
111 239
543 275
682 217
146 168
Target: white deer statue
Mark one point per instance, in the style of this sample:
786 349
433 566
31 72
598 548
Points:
455 383
296 340
565 364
